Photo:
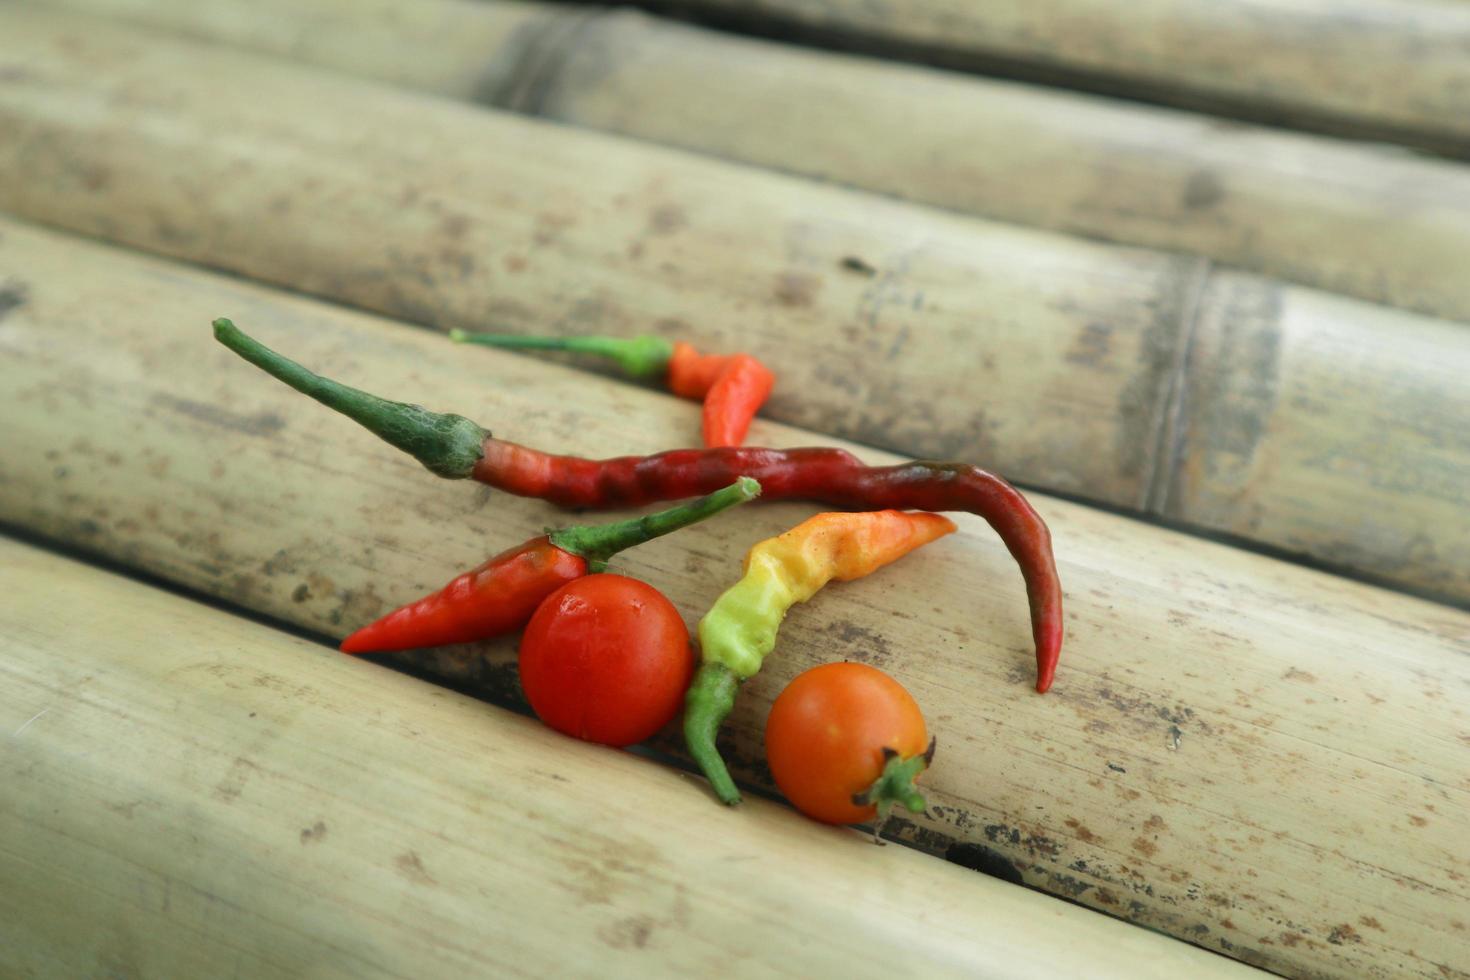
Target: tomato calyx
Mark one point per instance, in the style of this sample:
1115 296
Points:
896 785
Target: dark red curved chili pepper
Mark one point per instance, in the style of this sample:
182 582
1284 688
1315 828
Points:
500 595
733 386
453 446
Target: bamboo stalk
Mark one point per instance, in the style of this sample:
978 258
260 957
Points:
1060 363
1393 69
192 794
1360 219
1261 759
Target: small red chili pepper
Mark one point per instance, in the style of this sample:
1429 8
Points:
454 447
733 386
500 595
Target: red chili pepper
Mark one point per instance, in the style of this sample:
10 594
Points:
501 594
452 446
733 386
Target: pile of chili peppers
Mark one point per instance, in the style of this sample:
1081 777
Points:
885 512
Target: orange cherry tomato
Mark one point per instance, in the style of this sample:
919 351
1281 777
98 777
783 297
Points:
826 735
606 659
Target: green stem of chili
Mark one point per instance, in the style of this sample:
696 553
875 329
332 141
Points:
598 542
644 356
706 706
447 445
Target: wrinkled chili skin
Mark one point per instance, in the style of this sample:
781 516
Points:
494 598
833 477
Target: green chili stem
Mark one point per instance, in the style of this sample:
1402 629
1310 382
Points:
706 706
599 542
448 445
644 356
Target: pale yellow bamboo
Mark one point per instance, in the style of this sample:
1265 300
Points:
464 48
191 794
1264 760
1059 363
1361 219
1365 220
1396 68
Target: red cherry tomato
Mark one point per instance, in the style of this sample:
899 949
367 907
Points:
826 734
606 659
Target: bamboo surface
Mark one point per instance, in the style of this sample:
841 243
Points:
1060 363
1395 69
1360 219
189 794
1264 760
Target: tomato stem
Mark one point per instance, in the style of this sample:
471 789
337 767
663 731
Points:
896 785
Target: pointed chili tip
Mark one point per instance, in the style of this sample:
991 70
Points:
1044 679
356 643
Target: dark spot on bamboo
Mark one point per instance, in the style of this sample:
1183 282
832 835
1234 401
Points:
454 225
314 833
1145 846
666 219
13 295
301 593
1092 346
796 289
1085 835
411 867
260 424
1203 189
633 932
854 264
514 263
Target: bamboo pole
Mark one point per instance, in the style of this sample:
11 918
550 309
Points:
192 794
1264 760
1360 219
1060 363
1393 69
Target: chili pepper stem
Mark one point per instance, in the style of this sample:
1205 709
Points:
447 445
709 701
599 542
644 356
896 785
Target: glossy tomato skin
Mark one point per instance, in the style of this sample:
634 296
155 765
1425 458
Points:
826 734
606 659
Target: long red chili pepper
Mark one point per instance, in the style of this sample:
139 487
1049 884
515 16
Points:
733 386
452 446
500 595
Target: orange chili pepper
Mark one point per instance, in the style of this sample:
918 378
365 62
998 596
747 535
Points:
733 387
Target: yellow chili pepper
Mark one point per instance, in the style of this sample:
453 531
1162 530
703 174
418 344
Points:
740 629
